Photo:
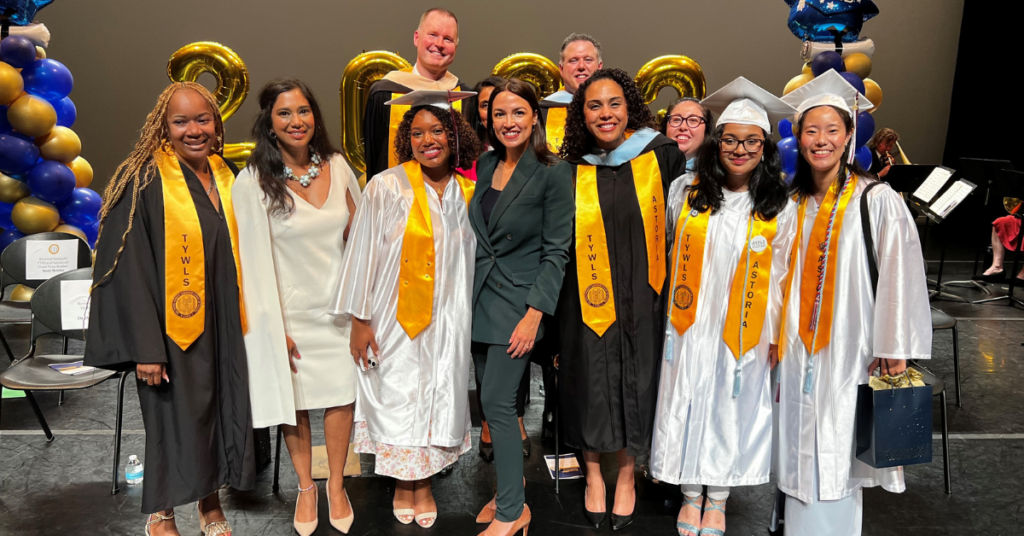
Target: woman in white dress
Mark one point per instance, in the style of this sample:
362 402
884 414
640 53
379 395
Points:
407 283
837 328
294 203
734 224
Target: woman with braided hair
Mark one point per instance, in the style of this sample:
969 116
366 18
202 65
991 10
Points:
612 303
166 303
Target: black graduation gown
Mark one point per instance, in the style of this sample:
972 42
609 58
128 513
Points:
198 426
377 124
608 385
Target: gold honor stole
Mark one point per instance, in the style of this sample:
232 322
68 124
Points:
185 271
554 127
688 250
817 279
593 267
416 272
397 113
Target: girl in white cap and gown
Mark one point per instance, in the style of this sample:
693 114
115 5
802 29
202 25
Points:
837 329
733 226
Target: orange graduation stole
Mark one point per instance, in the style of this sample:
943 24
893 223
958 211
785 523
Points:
593 266
748 297
554 127
185 271
688 251
416 272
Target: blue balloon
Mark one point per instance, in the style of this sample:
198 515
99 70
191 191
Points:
5 125
5 215
81 208
785 128
824 21
864 157
91 231
788 150
17 51
825 61
17 155
48 79
51 181
865 128
66 112
22 12
854 81
8 237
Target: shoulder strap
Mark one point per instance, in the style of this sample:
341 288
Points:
869 242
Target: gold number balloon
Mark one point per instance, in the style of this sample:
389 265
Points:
677 72
192 60
533 69
359 75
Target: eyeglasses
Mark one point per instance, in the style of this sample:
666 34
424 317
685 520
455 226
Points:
693 121
751 145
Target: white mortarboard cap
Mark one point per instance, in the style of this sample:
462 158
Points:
828 89
743 102
430 97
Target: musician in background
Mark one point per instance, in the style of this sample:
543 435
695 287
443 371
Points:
883 151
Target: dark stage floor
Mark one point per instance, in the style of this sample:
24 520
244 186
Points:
63 487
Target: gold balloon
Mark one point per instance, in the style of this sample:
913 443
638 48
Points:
40 53
533 69
796 82
32 215
83 172
12 190
11 84
677 72
858 64
71 229
192 60
806 69
32 116
61 144
873 93
21 293
359 75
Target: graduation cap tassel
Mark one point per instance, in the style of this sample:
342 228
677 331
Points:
455 128
853 140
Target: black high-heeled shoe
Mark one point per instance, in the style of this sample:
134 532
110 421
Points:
621 522
594 518
527 447
487 451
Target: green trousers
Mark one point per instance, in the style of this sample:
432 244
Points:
499 377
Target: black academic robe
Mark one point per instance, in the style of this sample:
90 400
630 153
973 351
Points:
608 385
377 123
198 426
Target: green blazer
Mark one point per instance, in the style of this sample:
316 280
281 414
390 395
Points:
521 254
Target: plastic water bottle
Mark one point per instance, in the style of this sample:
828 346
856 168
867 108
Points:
133 471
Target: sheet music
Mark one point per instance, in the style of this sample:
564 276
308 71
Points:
931 186
953 196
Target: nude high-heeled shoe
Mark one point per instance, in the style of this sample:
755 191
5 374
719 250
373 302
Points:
522 523
345 523
309 527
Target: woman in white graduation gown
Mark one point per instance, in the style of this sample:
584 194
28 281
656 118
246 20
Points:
294 203
733 228
407 284
836 330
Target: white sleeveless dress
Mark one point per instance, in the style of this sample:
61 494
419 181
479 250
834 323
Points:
308 248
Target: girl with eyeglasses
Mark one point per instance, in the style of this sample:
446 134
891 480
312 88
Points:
686 122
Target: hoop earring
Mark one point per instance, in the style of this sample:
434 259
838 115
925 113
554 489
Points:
273 136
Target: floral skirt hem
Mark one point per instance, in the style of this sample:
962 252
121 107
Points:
407 463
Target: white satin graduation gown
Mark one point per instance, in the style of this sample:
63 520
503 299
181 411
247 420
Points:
417 396
287 263
702 434
894 325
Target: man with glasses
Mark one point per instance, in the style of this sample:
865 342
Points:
436 40
579 57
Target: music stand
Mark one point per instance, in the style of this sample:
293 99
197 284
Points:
1011 184
980 171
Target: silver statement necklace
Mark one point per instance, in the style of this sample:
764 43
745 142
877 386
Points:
312 173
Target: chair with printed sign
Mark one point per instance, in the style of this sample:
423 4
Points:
15 270
58 308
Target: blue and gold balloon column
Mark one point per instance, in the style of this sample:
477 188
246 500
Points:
830 30
43 178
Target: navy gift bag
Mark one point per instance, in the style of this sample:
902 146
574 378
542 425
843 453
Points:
894 426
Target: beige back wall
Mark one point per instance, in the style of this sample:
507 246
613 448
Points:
118 50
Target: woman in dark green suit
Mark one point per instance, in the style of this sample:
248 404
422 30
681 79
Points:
522 214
